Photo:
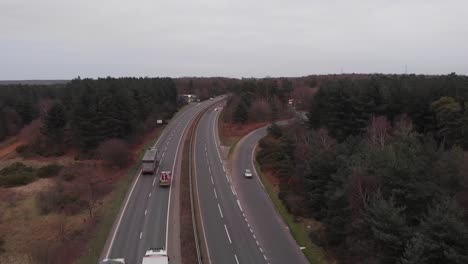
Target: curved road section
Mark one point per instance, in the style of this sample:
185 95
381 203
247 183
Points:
144 217
229 236
271 231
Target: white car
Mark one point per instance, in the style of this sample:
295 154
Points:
248 173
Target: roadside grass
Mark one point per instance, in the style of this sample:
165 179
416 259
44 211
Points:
312 252
188 248
112 207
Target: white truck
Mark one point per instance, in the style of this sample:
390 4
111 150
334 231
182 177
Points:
155 256
150 161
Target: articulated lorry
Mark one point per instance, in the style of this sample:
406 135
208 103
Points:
150 161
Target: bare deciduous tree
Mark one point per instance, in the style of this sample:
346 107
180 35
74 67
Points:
259 111
114 153
378 131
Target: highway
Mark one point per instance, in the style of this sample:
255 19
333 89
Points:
272 233
143 220
229 235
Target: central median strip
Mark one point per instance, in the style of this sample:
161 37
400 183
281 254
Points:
192 251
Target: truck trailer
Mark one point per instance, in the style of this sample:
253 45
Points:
150 161
155 256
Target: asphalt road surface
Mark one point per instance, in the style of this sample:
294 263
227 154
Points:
229 235
143 219
272 233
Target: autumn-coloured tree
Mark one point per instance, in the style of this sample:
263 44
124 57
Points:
114 153
259 111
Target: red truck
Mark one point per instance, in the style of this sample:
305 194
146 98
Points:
165 178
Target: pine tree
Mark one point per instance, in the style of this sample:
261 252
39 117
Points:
388 227
414 251
240 114
446 234
54 123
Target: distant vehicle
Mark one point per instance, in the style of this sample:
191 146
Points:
150 161
155 256
113 261
216 109
248 173
165 178
211 98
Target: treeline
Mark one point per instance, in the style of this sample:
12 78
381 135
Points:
19 105
204 87
258 100
382 171
86 112
435 104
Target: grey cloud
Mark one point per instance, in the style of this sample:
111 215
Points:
63 39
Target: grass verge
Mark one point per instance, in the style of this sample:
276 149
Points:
112 208
188 247
312 252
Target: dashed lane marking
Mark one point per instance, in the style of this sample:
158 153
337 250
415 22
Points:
220 212
227 233
240 207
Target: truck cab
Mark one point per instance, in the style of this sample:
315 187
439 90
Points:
165 178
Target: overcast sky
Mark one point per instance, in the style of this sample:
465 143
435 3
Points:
62 39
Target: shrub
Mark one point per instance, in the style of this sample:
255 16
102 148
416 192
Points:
114 153
68 177
49 171
56 199
2 245
16 174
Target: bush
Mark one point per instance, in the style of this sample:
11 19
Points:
68 177
56 199
2 245
114 153
16 174
49 171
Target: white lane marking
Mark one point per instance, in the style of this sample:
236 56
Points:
141 235
264 257
162 156
209 169
251 231
261 250
146 211
224 169
240 207
226 177
237 261
149 195
216 196
227 233
172 178
121 215
161 136
212 182
220 212
233 191
254 236
154 181
257 243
